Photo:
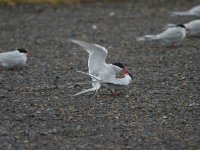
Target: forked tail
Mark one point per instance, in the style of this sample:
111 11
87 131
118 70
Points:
86 91
181 13
147 38
96 84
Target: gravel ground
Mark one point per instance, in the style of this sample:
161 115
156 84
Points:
159 110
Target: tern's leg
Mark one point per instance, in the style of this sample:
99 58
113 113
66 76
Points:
173 45
113 92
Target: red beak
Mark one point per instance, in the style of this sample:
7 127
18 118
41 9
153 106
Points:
29 53
125 71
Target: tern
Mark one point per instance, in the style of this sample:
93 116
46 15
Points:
103 74
195 11
14 59
193 27
171 36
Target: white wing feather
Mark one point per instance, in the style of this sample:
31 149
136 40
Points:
97 55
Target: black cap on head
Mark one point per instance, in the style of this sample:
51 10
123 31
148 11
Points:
22 50
119 65
180 25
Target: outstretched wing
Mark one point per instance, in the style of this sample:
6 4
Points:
97 56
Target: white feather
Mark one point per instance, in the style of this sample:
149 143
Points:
13 59
195 11
169 36
193 27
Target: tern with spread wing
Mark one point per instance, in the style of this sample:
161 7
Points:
102 74
171 36
14 59
195 11
193 27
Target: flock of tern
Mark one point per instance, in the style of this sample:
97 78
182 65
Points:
103 74
175 33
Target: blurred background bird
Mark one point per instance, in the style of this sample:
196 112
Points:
14 59
195 11
193 27
170 36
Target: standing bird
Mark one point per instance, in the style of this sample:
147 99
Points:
193 27
171 36
103 72
195 11
14 59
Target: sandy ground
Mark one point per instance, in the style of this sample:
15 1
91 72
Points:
159 110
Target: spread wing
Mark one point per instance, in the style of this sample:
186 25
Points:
97 56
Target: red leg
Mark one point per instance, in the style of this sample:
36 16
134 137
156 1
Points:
173 45
114 93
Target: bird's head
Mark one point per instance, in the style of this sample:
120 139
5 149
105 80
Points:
121 67
183 26
126 72
24 51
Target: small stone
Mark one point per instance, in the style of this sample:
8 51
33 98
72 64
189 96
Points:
127 96
111 14
94 27
99 146
56 97
183 78
25 141
193 104
164 117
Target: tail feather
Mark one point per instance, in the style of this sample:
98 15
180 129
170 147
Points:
147 38
85 91
96 84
